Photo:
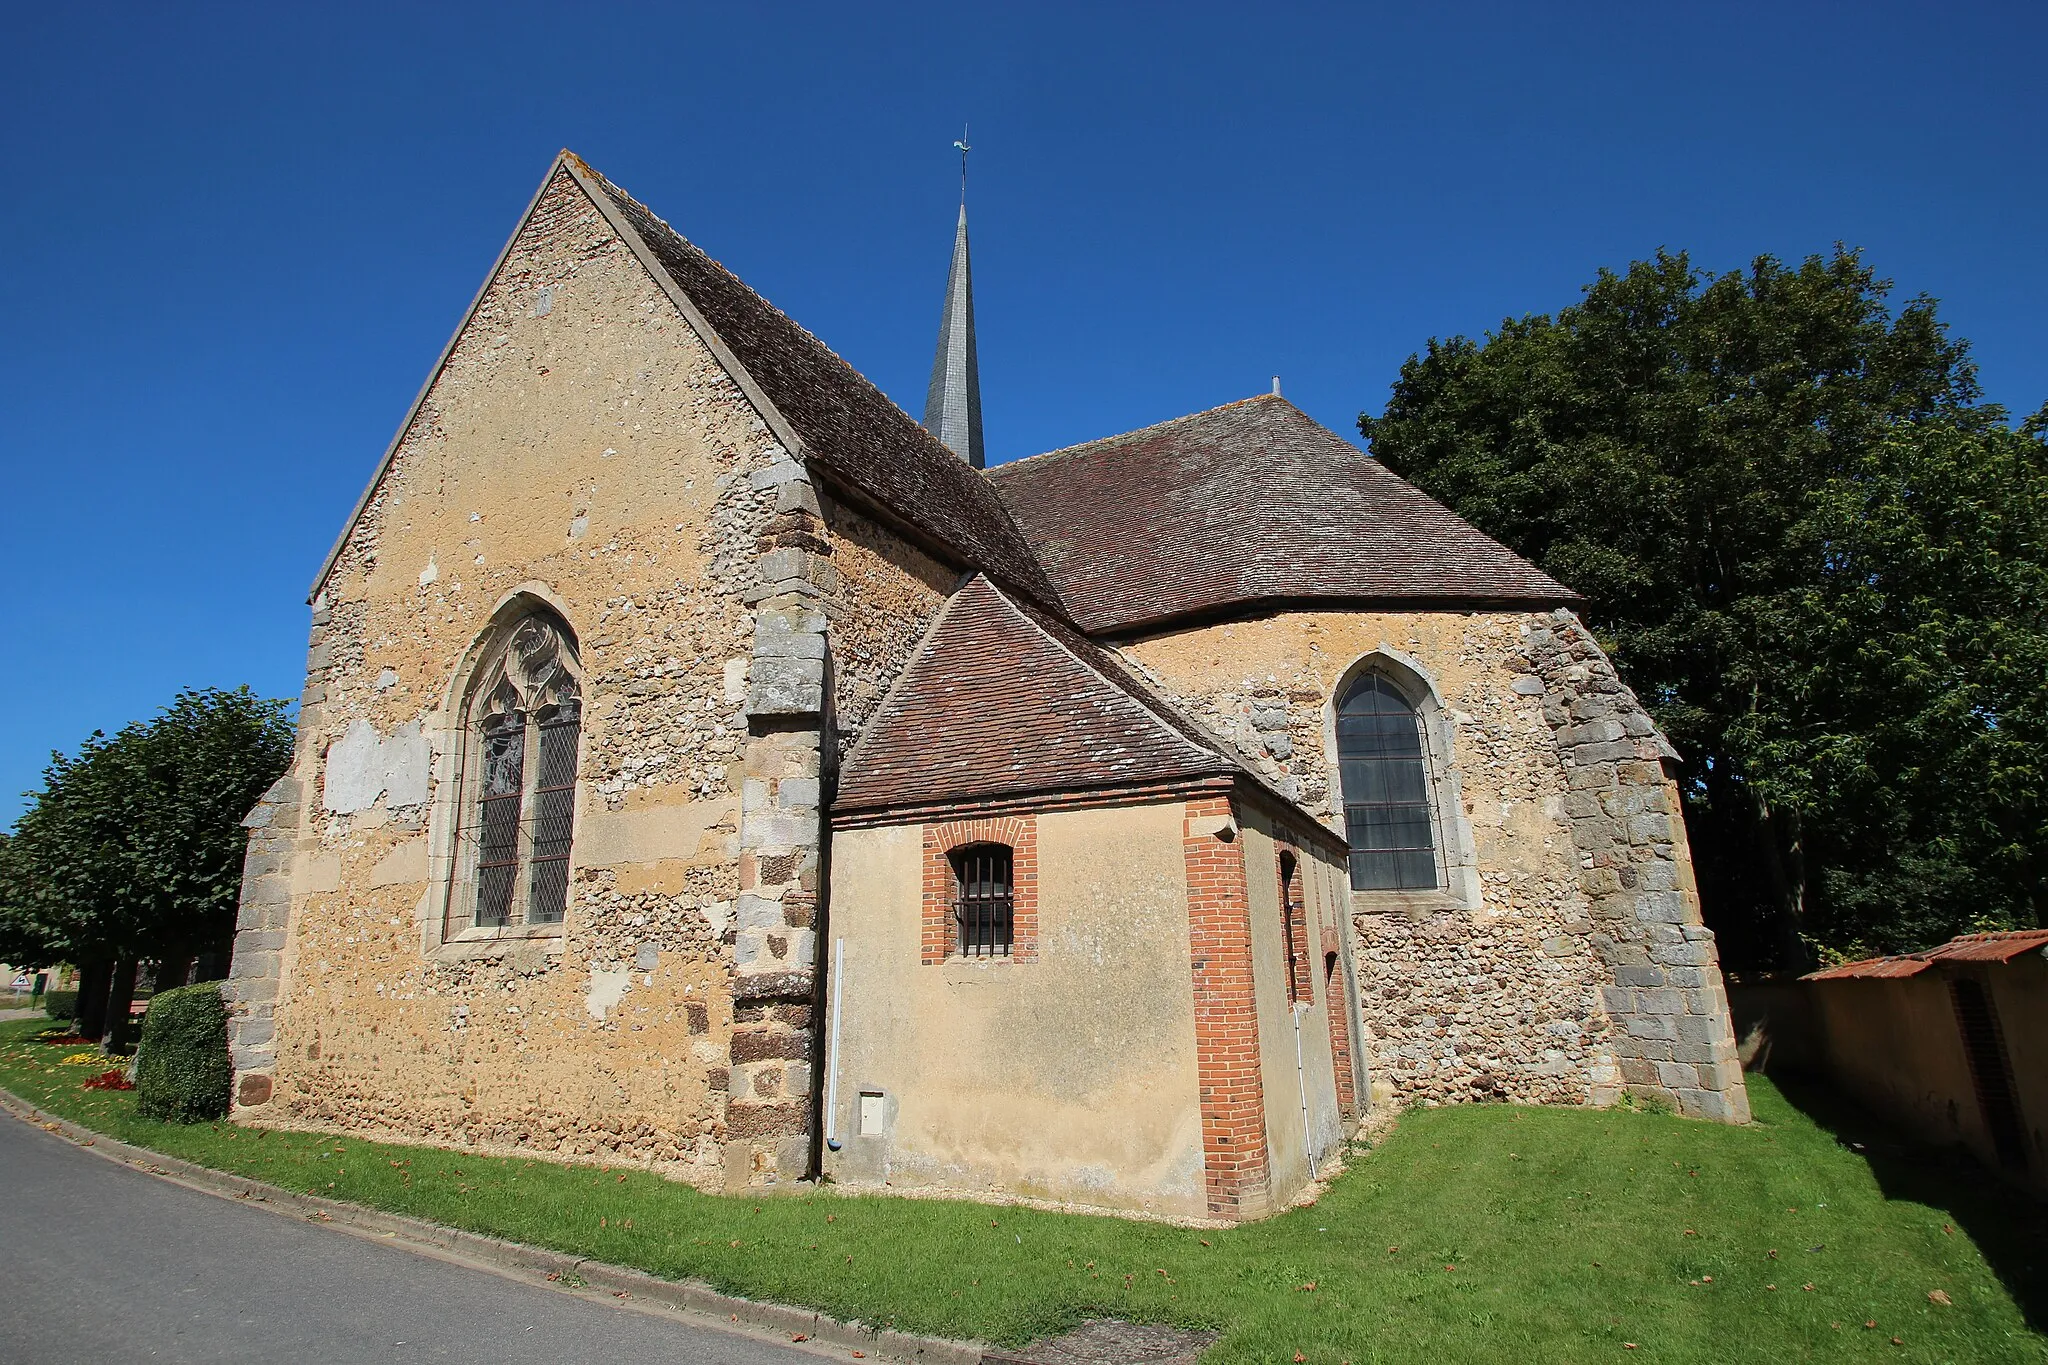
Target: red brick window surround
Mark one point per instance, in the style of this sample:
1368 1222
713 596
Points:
1018 833
1294 921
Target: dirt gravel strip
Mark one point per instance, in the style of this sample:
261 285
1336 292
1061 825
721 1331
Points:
691 1300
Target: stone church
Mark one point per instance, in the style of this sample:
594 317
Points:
703 764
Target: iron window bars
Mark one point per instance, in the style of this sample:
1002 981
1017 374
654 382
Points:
986 907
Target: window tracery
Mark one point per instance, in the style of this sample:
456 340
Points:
522 729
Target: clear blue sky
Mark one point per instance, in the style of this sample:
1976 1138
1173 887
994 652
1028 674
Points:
235 238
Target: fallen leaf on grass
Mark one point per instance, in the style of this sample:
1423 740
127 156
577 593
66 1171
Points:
1871 1323
1807 1287
1941 1297
1299 1358
1897 1341
1770 1286
1308 1288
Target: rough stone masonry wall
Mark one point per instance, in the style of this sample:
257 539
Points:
1674 1035
583 443
251 988
1498 987
839 607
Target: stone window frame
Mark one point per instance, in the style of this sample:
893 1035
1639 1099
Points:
1457 861
941 841
445 931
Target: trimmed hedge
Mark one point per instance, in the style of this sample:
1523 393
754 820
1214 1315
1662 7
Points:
60 1004
182 1072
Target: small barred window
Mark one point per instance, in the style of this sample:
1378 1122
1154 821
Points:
985 908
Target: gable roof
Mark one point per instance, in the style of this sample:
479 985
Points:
1250 502
819 406
860 439
1001 701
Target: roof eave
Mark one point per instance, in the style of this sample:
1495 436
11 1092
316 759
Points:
1122 630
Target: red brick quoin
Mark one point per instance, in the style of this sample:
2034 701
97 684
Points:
1020 832
1226 1015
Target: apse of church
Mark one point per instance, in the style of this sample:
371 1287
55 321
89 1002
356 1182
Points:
656 763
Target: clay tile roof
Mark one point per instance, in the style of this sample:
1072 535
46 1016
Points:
1990 947
1002 701
1871 969
847 426
1254 501
2000 947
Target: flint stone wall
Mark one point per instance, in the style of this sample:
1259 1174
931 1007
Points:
1507 984
583 445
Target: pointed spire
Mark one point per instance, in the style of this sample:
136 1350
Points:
952 405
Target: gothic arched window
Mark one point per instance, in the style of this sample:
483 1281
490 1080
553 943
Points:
1387 816
521 726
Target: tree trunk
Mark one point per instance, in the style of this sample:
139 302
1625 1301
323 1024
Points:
1778 847
119 998
94 978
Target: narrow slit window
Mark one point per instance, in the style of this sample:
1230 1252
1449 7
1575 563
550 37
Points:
986 906
1388 819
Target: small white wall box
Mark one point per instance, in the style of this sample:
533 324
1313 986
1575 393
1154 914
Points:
871 1111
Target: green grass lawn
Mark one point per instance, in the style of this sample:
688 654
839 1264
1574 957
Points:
1474 1233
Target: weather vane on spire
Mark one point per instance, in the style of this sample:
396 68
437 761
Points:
961 143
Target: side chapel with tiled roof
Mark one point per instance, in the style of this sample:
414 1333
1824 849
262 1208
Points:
705 764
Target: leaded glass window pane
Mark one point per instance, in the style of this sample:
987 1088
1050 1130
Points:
554 811
1387 816
527 720
497 861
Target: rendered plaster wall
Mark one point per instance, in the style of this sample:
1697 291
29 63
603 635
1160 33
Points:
1300 1087
1895 1045
1069 1078
582 446
1503 985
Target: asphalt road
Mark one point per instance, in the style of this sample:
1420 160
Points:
107 1264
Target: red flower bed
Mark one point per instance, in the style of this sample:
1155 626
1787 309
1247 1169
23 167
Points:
114 1079
67 1040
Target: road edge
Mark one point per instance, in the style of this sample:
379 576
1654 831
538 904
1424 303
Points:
606 1283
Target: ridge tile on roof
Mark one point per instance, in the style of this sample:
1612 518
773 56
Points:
1000 701
1253 501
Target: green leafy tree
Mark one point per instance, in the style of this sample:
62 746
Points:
1815 553
133 848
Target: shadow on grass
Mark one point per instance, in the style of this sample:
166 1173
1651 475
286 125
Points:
2009 1225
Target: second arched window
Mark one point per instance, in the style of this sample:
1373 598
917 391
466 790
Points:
1382 759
